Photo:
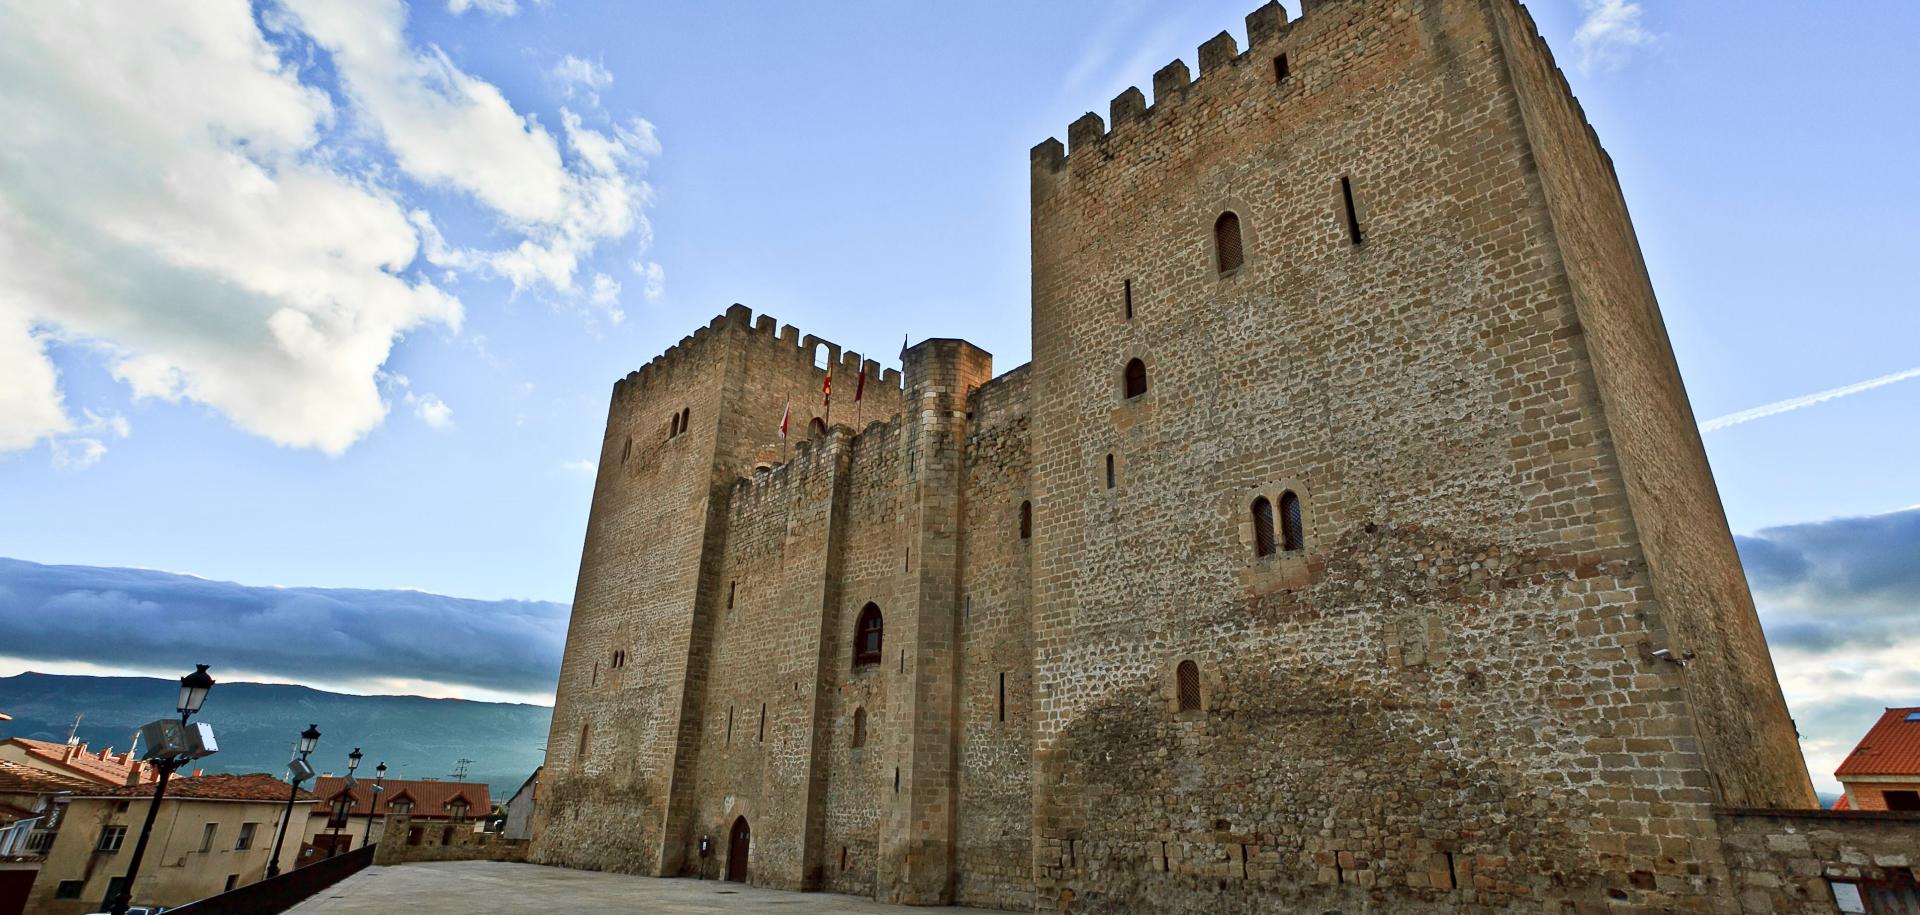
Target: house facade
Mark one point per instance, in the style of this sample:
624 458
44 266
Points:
212 833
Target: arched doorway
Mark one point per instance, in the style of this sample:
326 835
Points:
737 844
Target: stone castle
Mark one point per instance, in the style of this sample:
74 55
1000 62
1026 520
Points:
1347 545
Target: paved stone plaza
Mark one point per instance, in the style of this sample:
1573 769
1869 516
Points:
482 887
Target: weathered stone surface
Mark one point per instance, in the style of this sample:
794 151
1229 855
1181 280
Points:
1456 685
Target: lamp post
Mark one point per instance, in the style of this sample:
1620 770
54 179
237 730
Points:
373 807
169 749
297 771
343 808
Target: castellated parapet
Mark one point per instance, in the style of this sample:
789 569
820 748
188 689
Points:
1337 550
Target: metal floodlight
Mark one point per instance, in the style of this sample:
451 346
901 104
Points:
309 739
299 770
200 741
350 783
193 690
166 739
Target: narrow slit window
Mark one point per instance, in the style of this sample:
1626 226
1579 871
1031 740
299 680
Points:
673 426
1003 695
686 413
626 450
1188 677
1292 529
1136 378
1126 293
580 750
1263 541
729 725
762 736
1353 215
859 728
731 586
1226 241
896 779
1026 520
1109 471
1280 70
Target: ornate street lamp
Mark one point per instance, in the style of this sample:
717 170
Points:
343 805
169 746
379 775
297 771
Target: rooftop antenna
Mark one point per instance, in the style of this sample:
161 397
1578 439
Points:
460 769
73 733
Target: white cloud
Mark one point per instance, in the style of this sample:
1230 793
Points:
174 197
582 76
432 410
605 294
582 466
1609 32
490 7
656 281
30 404
82 445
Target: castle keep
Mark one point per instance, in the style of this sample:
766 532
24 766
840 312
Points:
1348 543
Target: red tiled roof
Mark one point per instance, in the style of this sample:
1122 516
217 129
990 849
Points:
1842 804
19 779
100 767
430 799
258 786
1891 747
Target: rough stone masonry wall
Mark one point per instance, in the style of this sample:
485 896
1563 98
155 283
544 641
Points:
645 569
993 863
756 752
1784 862
858 778
1700 590
614 742
1440 702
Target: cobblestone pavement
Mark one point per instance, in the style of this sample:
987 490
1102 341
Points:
484 887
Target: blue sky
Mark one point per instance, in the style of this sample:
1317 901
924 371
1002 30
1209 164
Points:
310 297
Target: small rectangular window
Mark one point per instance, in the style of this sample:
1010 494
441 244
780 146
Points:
246 836
111 837
233 880
69 889
1126 291
206 836
1353 215
1280 69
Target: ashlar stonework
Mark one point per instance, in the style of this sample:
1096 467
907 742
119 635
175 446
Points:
1393 578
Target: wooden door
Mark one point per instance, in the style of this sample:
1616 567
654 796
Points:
737 846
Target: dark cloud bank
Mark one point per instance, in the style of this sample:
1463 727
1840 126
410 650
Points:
1826 588
1834 585
137 618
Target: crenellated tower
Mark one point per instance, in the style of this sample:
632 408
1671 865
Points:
1347 545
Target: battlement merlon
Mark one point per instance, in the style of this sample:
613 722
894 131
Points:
740 319
1171 85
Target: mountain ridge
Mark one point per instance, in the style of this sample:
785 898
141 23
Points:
419 737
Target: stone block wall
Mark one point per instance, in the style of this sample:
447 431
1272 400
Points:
1787 862
441 841
1453 683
